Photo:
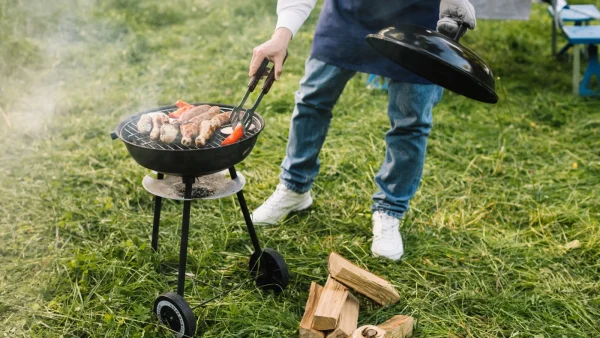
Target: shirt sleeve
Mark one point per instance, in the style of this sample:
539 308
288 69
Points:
291 14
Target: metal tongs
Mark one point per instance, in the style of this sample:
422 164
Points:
246 119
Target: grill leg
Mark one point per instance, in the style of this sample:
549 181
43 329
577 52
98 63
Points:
185 227
249 224
157 207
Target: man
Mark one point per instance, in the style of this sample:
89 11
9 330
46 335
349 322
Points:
339 51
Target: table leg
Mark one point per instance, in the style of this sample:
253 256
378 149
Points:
576 68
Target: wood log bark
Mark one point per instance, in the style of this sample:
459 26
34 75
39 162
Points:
362 281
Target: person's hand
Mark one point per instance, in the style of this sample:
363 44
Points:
274 50
452 11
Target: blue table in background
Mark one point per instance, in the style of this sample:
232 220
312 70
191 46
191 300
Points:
589 36
577 14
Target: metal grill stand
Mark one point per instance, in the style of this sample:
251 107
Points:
266 266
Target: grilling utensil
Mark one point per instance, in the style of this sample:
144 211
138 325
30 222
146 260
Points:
437 58
236 112
246 118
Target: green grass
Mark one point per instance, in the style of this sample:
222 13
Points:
505 187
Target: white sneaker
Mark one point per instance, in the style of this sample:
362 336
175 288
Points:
280 204
387 241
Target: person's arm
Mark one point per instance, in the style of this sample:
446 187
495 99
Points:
291 14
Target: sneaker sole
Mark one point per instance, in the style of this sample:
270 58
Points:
394 257
302 207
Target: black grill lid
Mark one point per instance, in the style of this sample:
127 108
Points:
438 59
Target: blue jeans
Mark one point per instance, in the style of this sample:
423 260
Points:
409 111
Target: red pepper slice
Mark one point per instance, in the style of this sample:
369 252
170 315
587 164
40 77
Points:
234 137
176 114
181 104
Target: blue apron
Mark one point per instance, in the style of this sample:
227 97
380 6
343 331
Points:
343 25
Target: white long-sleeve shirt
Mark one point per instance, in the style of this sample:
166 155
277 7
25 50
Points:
291 14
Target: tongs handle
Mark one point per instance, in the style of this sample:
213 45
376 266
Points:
247 118
258 75
271 78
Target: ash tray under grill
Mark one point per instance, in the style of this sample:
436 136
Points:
207 187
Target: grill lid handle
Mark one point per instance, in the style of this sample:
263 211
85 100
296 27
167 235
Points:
113 135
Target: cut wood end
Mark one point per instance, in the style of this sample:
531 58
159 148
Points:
368 331
394 298
333 269
310 333
330 305
324 323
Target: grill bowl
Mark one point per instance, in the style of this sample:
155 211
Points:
187 161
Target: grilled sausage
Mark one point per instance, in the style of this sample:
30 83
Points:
209 114
208 128
190 130
188 133
189 114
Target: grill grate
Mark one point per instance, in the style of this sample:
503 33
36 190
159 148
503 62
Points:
130 134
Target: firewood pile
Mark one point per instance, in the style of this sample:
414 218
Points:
332 310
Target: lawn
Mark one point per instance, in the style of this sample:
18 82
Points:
502 240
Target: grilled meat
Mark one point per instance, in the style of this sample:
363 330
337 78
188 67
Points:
188 133
157 121
208 127
190 130
144 124
169 131
209 114
191 113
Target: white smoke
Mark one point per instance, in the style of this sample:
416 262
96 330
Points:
49 27
70 62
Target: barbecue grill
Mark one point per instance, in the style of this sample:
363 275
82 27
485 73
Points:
179 160
192 173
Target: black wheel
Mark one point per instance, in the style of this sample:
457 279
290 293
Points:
270 270
174 312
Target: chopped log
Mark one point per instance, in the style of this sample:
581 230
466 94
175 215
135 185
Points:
348 319
306 331
398 327
370 285
330 305
368 331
